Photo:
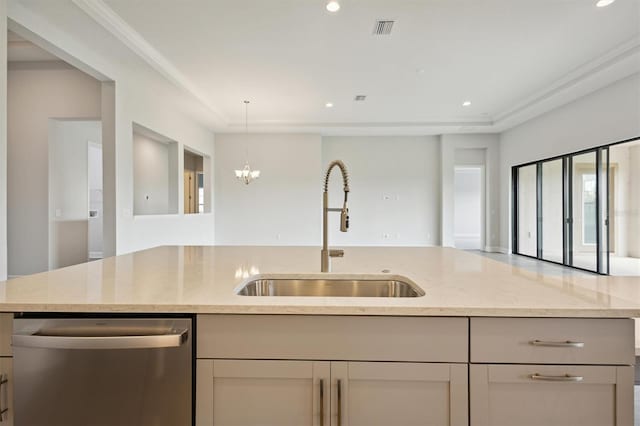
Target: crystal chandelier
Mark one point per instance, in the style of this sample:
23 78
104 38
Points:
247 175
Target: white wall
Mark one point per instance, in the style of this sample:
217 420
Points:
134 103
283 207
137 93
608 115
3 140
36 94
152 176
451 146
395 189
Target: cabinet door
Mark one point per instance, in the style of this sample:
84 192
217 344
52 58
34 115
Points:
398 394
6 391
534 395
262 393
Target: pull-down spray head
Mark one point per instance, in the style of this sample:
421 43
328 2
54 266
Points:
344 213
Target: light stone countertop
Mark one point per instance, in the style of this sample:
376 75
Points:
202 280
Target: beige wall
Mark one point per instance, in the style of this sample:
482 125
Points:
154 176
3 140
36 94
395 189
283 207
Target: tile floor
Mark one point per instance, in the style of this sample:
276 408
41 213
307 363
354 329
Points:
533 265
623 266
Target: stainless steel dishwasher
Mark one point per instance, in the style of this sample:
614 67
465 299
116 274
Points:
102 372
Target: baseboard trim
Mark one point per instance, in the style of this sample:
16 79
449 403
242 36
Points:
95 255
491 249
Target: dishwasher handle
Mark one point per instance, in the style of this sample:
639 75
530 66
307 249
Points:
172 339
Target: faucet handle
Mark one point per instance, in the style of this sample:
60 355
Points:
336 253
344 220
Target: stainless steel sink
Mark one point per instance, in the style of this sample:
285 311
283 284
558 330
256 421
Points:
385 286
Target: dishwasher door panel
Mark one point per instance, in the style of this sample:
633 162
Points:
104 387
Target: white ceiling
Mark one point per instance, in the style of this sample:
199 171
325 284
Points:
512 58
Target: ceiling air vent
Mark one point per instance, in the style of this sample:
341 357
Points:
383 27
360 98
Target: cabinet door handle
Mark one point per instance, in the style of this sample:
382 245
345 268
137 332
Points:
563 378
562 344
339 402
321 402
4 381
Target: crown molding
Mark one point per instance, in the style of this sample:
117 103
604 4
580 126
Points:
100 12
620 62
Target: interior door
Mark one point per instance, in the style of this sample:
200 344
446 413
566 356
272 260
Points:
398 394
189 192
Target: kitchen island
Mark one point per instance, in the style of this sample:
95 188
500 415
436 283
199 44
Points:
176 279
488 344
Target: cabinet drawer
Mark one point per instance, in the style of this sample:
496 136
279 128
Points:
6 330
551 395
552 341
416 339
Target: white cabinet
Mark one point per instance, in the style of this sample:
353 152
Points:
535 395
398 394
311 393
551 372
6 370
413 371
262 393
6 391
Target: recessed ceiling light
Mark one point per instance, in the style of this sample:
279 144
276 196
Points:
466 103
604 3
333 6
329 105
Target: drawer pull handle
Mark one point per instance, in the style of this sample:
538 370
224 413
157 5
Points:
564 378
4 380
339 402
565 344
321 402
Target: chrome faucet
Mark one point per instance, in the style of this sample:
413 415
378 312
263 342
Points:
327 254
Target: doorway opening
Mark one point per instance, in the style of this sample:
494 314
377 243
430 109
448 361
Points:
469 207
75 192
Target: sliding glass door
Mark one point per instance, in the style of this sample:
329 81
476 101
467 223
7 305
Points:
527 221
551 201
561 210
583 214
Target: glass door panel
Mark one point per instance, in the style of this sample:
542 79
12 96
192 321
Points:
584 213
552 217
603 210
527 209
